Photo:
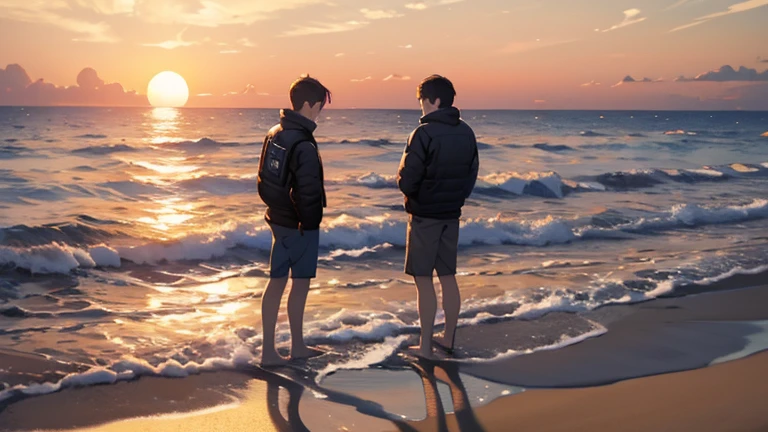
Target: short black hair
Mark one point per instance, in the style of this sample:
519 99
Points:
434 87
308 89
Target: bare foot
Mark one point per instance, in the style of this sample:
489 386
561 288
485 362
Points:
306 352
419 351
272 358
444 344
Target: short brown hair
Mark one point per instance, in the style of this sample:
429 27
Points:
434 87
308 89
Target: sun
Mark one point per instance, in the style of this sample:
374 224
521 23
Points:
168 89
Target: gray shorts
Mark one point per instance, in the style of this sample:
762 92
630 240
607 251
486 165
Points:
432 244
293 251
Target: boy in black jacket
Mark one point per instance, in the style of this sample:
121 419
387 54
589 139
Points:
290 183
437 174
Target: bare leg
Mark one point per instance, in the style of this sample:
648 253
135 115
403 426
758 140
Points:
270 305
427 310
451 306
297 300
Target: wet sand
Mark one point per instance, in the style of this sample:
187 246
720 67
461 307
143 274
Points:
728 397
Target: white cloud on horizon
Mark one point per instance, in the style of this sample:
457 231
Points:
733 9
723 74
368 78
591 84
630 80
729 74
631 16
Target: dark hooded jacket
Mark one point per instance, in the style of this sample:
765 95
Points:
290 180
439 166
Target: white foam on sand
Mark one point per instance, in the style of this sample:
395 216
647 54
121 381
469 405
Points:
756 342
564 342
346 325
733 272
377 354
128 369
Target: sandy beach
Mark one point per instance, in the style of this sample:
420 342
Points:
687 363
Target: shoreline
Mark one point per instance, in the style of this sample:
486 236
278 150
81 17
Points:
650 344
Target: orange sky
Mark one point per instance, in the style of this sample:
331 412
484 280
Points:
500 54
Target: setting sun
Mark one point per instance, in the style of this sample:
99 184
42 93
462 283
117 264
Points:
168 89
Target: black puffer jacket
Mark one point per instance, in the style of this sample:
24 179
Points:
291 174
439 166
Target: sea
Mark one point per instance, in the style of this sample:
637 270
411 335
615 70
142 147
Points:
133 241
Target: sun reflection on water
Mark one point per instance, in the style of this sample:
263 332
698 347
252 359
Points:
164 123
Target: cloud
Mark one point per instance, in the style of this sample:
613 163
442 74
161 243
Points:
521 47
13 78
246 42
416 6
52 13
724 74
179 42
630 80
396 77
322 28
16 88
420 6
215 13
368 78
591 84
738 7
229 52
539 101
339 55
631 16
762 60
108 7
409 46
377 14
677 4
728 74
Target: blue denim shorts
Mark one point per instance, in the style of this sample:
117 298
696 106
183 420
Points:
293 251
